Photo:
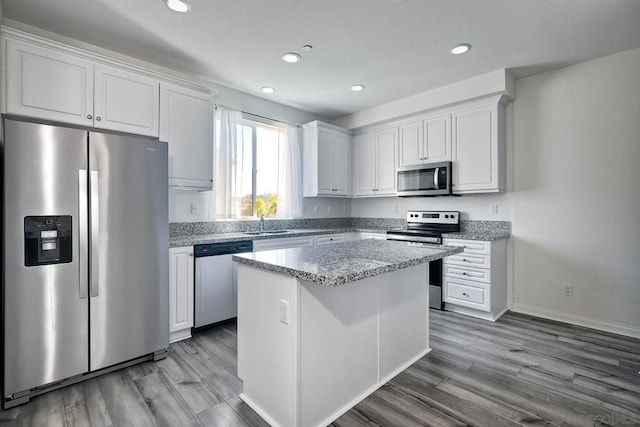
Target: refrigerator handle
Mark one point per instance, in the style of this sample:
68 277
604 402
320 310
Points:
95 233
83 233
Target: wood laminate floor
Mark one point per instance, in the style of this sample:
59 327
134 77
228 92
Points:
520 370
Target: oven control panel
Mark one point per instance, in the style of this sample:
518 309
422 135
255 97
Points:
433 217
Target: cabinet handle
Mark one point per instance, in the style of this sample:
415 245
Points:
98 118
89 116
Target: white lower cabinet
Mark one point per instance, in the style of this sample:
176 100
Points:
324 239
181 284
282 243
475 281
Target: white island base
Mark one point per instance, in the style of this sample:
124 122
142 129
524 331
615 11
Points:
307 352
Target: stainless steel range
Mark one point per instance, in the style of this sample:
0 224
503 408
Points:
426 228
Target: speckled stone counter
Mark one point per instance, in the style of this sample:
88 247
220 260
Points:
340 263
197 239
482 230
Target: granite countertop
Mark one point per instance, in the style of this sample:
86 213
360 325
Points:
197 239
344 262
478 235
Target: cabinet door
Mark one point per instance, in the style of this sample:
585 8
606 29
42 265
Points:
181 282
341 164
126 101
475 150
186 123
364 165
386 162
437 139
325 162
410 150
49 85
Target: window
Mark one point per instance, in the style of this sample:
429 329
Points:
256 168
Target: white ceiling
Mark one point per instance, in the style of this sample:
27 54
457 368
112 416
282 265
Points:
396 48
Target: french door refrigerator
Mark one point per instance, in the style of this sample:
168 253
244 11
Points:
85 268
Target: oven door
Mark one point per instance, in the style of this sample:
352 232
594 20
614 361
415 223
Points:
432 179
435 267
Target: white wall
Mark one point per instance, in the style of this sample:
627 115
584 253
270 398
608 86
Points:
577 193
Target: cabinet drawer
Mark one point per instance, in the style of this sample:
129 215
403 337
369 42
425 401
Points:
329 238
477 247
467 273
282 243
469 260
468 294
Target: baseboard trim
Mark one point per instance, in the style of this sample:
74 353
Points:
615 328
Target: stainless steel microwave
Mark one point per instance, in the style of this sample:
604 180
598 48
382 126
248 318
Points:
430 179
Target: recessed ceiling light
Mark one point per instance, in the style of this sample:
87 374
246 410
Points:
177 5
357 88
291 57
307 48
461 48
267 89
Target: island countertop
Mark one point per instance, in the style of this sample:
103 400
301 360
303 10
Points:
339 263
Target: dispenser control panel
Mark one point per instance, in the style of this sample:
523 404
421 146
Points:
47 240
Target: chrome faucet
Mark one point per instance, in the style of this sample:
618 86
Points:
262 223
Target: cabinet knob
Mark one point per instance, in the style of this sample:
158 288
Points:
98 118
191 254
465 294
464 273
465 260
89 116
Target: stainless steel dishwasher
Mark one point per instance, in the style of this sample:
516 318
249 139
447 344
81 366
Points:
216 293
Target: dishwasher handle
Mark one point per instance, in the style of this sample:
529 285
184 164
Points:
225 248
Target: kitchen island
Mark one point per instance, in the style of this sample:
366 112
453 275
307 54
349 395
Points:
319 329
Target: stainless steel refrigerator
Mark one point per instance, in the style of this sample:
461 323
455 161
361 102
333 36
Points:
85 274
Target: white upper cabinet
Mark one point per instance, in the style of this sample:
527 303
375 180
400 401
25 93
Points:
374 163
425 140
50 85
326 160
186 123
125 101
54 83
478 147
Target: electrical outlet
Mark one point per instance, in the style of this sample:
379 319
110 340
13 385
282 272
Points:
328 208
284 311
494 209
315 208
195 209
567 289
344 208
395 208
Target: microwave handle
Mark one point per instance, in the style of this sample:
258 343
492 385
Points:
436 179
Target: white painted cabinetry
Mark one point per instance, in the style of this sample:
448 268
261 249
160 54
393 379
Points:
57 85
475 281
181 284
425 140
374 165
326 160
478 147
186 123
125 101
48 84
324 239
282 243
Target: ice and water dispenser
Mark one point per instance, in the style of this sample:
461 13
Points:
47 240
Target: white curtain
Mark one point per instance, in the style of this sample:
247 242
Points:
289 174
228 155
